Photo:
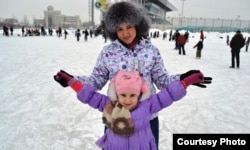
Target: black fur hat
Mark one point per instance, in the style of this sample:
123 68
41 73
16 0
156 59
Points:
125 12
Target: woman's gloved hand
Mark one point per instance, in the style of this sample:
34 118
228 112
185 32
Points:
63 78
195 77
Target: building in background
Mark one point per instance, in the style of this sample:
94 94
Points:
54 19
155 10
195 24
71 21
11 21
38 22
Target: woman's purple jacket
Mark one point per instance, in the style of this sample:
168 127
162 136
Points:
143 138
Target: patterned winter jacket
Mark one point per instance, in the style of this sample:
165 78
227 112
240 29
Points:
144 57
142 139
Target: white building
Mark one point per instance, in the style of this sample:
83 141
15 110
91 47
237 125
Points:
71 21
55 19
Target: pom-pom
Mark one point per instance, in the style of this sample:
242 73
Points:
144 89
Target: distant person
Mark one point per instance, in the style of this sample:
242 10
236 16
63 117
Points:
154 34
65 34
170 35
202 35
50 31
86 34
176 36
228 40
5 30
247 43
90 33
43 32
23 31
181 41
236 43
77 34
11 30
199 46
186 36
165 35
59 32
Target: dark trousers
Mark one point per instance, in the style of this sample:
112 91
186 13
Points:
182 48
237 56
154 124
198 53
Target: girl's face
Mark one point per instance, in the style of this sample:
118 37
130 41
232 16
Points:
126 33
128 100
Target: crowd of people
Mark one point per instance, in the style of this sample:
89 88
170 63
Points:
236 43
180 40
6 30
42 32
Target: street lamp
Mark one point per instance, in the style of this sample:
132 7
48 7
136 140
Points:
182 11
165 11
238 18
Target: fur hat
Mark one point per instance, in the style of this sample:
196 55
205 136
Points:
125 12
125 82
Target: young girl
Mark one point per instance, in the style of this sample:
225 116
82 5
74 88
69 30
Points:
127 109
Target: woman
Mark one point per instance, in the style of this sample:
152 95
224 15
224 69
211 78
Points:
130 50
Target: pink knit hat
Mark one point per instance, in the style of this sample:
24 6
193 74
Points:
128 82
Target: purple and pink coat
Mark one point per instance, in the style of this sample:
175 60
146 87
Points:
143 138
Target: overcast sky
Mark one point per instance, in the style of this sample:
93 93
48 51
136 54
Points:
228 9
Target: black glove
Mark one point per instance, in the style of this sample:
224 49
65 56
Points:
63 78
206 80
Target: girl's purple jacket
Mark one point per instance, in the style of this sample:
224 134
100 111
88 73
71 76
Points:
143 138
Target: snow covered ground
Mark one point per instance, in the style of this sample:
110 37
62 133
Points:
38 114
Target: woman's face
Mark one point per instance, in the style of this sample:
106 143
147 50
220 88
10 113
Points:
128 100
126 33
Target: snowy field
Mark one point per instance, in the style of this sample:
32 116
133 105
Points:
38 114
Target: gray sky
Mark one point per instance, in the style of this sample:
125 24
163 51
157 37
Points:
228 9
